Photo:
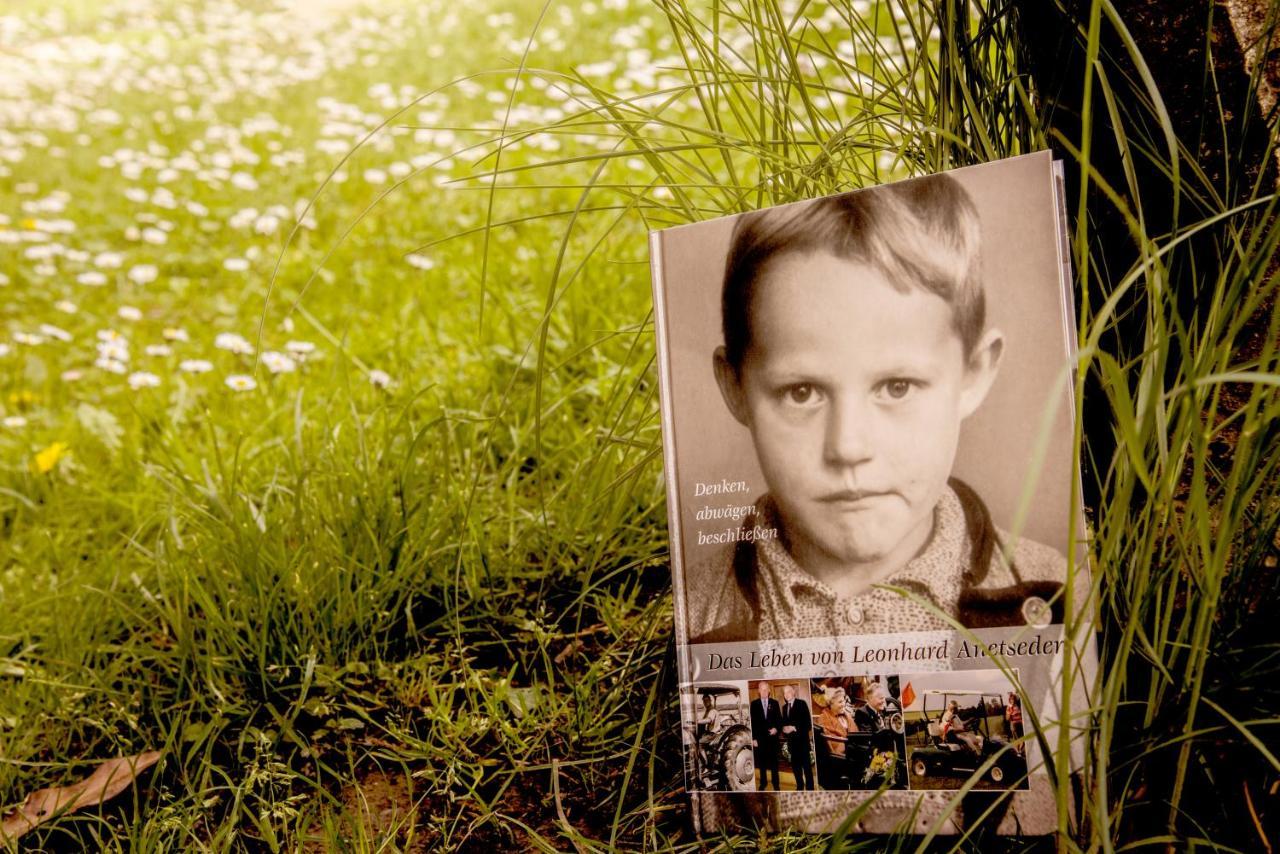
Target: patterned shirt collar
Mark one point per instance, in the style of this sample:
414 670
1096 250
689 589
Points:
796 604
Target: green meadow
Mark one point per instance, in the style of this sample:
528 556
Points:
330 453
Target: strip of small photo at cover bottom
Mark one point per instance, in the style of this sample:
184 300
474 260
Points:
868 440
911 731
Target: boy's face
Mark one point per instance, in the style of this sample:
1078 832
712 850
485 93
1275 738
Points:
854 393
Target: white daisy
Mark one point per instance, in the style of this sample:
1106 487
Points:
128 312
301 349
116 351
92 278
144 274
233 342
236 265
55 332
28 338
195 366
15 422
66 307
112 365
159 350
241 382
266 224
421 262
243 218
175 334
143 379
71 375
278 363
381 379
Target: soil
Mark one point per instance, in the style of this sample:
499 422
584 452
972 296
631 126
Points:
381 805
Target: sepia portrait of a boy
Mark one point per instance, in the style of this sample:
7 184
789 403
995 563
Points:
855 345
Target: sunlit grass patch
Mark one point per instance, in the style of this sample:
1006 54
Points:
240 516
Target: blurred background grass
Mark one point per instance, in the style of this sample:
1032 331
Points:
330 458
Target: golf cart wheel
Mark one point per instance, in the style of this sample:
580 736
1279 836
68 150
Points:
997 774
920 768
737 763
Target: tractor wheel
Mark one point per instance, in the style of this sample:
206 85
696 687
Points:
920 768
737 763
997 774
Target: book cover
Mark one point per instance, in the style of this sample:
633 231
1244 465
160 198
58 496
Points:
867 405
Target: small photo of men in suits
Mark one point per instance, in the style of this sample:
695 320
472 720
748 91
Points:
782 734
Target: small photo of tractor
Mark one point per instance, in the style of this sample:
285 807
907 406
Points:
717 736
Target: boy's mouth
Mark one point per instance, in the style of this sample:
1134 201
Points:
852 497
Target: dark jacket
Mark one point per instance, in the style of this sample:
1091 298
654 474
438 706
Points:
763 720
802 721
867 719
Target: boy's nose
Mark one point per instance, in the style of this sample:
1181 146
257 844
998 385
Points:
848 433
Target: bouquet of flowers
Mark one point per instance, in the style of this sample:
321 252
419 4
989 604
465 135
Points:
882 766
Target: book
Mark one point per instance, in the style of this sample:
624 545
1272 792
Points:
867 411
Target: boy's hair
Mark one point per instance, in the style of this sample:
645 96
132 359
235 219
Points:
922 232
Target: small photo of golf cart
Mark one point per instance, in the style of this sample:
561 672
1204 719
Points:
718 755
961 731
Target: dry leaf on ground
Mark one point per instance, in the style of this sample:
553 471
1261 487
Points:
110 779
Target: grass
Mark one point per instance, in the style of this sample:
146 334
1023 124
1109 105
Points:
432 610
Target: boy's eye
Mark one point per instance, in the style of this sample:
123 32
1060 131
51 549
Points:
801 393
896 389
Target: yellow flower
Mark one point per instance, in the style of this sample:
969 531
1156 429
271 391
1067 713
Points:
48 458
22 399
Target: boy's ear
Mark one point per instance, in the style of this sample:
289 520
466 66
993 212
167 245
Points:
981 371
730 387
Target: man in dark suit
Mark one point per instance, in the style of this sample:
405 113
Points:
797 726
876 716
871 717
766 721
